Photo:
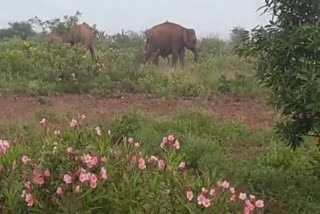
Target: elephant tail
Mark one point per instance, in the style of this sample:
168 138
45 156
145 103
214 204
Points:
146 48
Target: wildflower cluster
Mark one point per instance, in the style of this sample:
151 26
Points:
83 171
207 196
170 142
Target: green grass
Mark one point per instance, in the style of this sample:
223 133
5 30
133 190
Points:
34 68
252 160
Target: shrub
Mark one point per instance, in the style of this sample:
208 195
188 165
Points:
78 169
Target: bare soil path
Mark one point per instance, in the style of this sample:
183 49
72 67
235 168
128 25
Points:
17 108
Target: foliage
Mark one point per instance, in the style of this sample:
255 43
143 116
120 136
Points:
19 29
287 53
36 68
237 34
56 24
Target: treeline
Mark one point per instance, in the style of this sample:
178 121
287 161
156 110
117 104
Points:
36 29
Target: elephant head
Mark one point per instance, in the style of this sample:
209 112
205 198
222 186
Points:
190 42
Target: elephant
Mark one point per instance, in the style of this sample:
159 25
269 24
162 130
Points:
170 38
81 34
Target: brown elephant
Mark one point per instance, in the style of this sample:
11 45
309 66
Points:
81 34
170 38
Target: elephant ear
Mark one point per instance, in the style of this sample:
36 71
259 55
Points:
189 37
185 37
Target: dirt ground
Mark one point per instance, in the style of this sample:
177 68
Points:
254 112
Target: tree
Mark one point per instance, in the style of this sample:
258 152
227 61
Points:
288 62
56 24
20 29
237 34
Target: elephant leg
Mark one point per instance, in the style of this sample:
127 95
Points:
92 52
175 55
181 57
150 54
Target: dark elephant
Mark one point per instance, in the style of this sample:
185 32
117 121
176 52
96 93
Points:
81 34
170 38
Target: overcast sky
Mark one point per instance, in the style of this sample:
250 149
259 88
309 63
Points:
216 17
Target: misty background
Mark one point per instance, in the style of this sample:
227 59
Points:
207 17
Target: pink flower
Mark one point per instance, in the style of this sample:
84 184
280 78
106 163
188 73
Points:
189 195
59 191
130 140
98 130
29 200
212 192
84 176
242 196
104 159
93 181
259 204
176 145
57 133
70 150
27 185
89 160
252 197
37 177
161 164
67 179
94 161
225 184
233 197
246 210
25 159
232 190
171 138
4 146
142 164
103 174
164 142
47 173
78 190
204 191
249 205
182 165
74 123
201 198
83 117
206 203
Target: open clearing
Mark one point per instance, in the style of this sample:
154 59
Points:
255 113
